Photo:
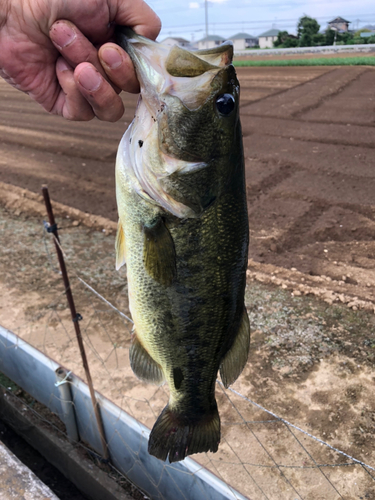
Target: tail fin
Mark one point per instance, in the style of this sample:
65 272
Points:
176 436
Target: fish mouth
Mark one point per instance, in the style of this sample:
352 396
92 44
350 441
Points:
163 70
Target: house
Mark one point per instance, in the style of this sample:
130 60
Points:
367 34
369 31
176 40
242 41
209 42
339 24
267 39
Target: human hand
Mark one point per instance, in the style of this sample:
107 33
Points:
50 51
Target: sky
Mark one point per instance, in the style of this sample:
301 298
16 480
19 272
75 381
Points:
186 18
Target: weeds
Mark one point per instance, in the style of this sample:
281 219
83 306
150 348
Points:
319 61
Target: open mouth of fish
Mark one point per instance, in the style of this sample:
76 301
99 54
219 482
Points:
172 79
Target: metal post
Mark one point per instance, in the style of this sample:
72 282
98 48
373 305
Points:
63 384
75 318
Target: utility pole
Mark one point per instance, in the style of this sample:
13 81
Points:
206 15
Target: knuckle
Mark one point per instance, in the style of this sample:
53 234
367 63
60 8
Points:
85 117
78 114
112 114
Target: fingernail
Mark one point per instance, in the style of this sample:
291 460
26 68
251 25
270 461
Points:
111 57
90 79
62 35
62 65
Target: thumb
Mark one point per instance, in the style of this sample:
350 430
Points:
138 15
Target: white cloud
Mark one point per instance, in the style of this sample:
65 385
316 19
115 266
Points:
193 5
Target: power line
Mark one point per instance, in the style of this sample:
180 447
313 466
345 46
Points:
268 21
169 32
206 15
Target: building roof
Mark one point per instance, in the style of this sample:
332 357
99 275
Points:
178 39
241 36
272 32
212 38
338 20
367 34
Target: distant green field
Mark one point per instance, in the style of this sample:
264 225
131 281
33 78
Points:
319 61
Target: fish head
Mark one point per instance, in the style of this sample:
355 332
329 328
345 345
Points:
186 118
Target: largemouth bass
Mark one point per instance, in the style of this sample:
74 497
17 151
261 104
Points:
183 232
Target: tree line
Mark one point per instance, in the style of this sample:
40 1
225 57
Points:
308 36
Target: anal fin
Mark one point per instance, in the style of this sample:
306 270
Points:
235 359
159 253
142 364
120 246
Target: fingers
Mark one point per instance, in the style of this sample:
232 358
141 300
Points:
118 67
89 79
105 102
73 45
83 74
85 94
70 103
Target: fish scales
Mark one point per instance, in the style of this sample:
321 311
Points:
183 231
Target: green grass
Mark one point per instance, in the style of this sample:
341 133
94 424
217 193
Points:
319 61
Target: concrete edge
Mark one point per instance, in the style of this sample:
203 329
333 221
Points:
87 477
16 479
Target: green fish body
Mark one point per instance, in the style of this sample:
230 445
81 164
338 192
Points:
183 232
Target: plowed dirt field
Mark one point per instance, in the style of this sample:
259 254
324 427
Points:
309 137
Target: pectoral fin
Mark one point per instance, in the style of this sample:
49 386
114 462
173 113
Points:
159 253
120 246
144 367
235 359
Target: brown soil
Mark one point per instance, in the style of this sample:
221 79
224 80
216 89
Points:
309 150
310 363
308 137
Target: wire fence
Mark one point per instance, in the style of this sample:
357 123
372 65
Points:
261 454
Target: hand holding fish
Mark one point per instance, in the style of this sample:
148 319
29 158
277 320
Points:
58 53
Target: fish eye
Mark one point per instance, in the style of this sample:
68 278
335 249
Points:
225 104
